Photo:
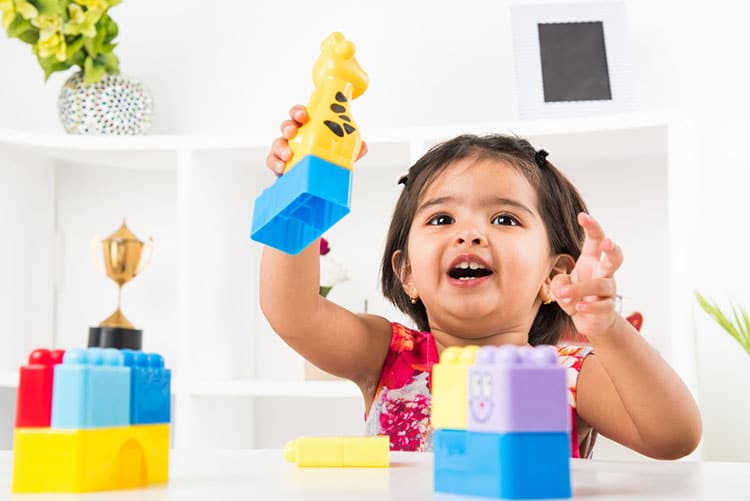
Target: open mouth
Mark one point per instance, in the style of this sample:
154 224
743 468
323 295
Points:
468 271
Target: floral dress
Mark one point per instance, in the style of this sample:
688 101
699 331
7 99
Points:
401 407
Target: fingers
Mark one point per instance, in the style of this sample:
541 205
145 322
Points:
278 156
362 150
594 234
280 152
600 307
561 281
612 259
598 288
298 113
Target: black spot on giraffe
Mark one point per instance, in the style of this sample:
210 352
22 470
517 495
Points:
348 128
337 108
340 97
345 118
335 128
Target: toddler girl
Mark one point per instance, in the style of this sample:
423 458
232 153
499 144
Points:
489 244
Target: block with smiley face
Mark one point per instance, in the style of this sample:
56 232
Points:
517 389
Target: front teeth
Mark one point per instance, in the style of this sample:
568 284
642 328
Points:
466 265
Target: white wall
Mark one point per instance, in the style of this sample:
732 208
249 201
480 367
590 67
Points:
237 66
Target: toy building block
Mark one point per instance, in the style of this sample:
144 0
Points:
301 205
91 389
450 460
518 389
509 465
34 402
516 443
314 192
361 452
149 387
449 388
93 459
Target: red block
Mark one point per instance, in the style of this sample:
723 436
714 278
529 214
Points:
34 403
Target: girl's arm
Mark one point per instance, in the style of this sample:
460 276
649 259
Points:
628 393
331 337
625 390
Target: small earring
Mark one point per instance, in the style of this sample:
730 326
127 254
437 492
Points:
414 299
550 298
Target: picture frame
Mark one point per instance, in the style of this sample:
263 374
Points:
572 59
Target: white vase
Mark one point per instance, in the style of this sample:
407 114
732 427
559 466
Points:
115 105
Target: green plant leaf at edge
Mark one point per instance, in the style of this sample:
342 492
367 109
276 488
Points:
713 310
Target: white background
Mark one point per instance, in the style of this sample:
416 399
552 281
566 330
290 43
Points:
235 67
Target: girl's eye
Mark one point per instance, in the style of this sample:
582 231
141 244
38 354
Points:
440 219
505 220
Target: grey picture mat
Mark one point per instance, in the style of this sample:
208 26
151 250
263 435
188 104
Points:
574 61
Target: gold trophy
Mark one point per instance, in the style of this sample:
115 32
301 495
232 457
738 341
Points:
122 256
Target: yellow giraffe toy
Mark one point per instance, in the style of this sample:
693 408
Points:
315 191
331 134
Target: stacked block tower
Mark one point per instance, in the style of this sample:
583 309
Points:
501 423
315 191
91 419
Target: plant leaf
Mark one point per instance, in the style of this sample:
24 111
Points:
93 72
110 62
18 26
51 65
31 37
112 30
73 47
740 332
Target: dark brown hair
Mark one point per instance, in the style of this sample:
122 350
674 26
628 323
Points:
559 205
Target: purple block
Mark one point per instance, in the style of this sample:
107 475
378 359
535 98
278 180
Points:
518 389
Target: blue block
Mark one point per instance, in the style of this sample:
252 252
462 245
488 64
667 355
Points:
450 465
91 389
302 205
518 465
508 466
149 387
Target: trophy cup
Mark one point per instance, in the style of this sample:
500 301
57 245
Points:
122 256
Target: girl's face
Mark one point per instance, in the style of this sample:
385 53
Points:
479 257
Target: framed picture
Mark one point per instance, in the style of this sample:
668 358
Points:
572 59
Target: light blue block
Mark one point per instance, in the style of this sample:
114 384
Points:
302 205
502 465
450 463
519 465
91 389
149 387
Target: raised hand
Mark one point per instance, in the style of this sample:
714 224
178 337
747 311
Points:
588 294
280 152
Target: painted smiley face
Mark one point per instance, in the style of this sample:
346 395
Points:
480 396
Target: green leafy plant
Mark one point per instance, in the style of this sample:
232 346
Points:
65 33
738 326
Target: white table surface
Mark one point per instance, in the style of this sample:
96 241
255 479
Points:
218 475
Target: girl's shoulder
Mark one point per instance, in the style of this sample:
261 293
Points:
410 353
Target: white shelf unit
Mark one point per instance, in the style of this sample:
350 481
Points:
237 384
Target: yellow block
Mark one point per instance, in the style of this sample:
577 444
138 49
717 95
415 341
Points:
93 459
362 452
449 388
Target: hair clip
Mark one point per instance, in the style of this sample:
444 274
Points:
403 179
541 158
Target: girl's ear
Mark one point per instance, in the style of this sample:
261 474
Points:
563 263
401 268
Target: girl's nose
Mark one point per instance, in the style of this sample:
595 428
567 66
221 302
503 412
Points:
471 236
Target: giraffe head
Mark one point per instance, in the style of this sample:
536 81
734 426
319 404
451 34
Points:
337 60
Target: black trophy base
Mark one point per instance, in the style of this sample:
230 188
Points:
115 337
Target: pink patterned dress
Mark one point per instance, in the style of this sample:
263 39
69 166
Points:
401 408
